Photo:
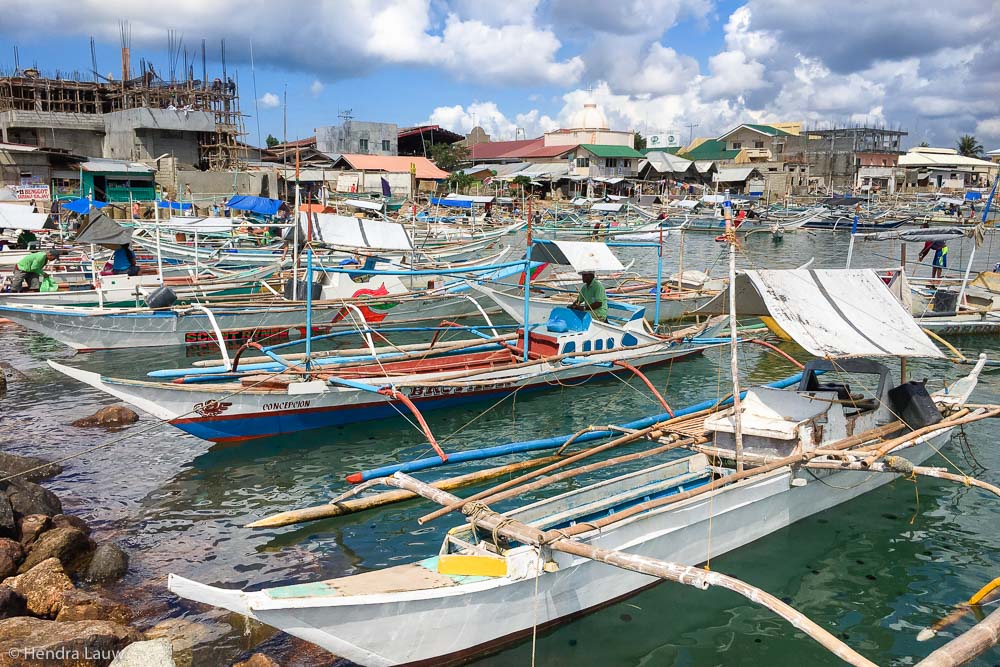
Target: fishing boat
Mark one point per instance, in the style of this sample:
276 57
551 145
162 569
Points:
280 396
771 459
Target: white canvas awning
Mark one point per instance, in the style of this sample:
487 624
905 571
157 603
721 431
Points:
475 199
367 204
686 203
733 174
19 216
920 235
206 225
581 255
608 207
349 232
830 312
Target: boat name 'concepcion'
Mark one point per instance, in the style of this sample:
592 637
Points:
287 405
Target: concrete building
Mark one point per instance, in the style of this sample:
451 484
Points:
358 137
144 134
833 154
33 173
364 173
758 143
944 169
606 161
879 172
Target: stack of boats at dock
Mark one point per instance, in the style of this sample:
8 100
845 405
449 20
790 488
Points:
838 429
711 477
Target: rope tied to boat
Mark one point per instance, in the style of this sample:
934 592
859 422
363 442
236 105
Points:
901 465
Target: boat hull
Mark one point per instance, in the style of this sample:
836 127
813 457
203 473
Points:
447 626
230 413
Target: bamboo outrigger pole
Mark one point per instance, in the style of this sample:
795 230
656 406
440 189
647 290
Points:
502 525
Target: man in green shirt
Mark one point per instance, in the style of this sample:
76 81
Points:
591 297
30 269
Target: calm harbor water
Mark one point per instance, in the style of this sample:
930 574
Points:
875 570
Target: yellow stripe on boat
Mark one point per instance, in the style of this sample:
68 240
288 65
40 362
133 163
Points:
775 328
472 565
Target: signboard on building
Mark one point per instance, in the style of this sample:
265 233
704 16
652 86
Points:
29 192
663 140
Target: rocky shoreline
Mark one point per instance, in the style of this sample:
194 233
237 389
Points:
59 606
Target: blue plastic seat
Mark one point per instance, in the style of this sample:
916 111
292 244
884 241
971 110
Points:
563 320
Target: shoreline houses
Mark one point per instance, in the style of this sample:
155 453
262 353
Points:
145 137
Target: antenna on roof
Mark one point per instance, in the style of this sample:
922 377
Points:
345 114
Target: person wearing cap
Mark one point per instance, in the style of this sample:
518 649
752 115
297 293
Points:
29 269
591 297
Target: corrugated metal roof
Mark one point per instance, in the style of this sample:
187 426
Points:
115 166
711 149
394 164
664 162
605 150
496 150
916 159
733 174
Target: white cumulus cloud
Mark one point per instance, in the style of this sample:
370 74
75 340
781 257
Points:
270 101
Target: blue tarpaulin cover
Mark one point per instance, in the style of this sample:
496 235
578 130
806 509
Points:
973 196
260 205
83 205
175 205
454 203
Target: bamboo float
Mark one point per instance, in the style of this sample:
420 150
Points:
923 471
968 646
341 508
499 524
958 418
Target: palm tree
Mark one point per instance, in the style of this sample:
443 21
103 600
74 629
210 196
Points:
968 146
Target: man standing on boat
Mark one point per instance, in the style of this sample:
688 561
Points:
592 297
29 269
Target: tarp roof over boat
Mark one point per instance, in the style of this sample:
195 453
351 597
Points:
830 312
581 255
608 207
202 225
367 204
102 230
475 199
350 232
920 235
19 216
83 205
259 205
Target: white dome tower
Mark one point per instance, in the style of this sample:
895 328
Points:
590 118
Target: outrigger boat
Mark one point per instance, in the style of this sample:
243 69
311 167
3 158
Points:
774 458
279 396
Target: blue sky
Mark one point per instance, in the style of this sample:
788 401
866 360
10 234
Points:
652 65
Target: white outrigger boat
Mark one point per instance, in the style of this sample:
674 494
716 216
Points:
233 402
776 457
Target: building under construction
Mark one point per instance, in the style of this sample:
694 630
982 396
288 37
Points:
144 118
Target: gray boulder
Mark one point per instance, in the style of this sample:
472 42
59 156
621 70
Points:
154 653
29 498
12 464
109 563
69 545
